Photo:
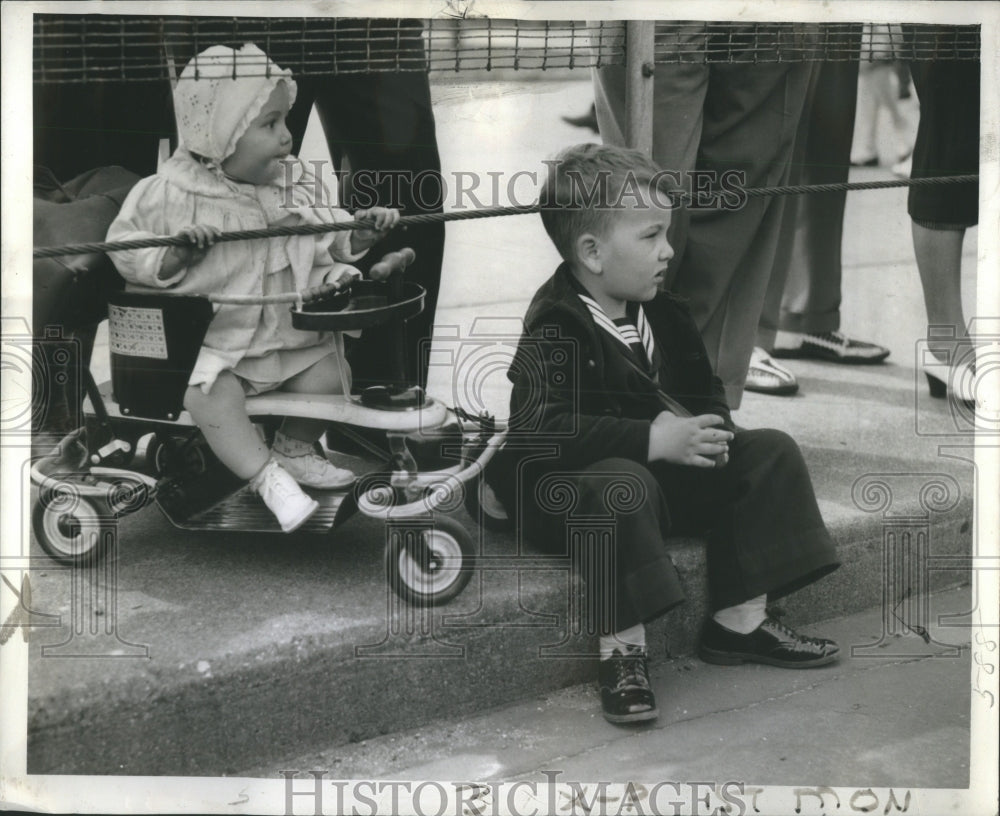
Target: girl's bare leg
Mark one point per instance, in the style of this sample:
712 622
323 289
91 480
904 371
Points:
323 377
221 415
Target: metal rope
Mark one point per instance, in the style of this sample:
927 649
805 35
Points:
460 215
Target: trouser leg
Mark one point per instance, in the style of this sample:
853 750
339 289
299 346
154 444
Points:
619 543
767 535
380 129
751 116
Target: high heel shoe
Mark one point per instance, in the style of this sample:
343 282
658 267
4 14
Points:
943 379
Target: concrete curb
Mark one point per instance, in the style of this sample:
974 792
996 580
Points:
492 646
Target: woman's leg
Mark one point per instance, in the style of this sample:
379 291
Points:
887 96
866 118
939 261
221 415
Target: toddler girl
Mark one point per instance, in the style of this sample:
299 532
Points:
229 173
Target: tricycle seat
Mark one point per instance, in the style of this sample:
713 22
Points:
330 407
154 342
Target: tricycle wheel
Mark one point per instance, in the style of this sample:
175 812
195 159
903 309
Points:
481 502
427 565
71 528
176 456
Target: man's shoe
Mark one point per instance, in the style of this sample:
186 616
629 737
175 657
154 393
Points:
624 682
283 497
834 347
767 377
772 643
313 470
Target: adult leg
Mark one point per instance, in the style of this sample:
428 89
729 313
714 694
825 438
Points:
678 102
866 123
947 144
380 127
887 93
939 262
804 293
802 305
751 116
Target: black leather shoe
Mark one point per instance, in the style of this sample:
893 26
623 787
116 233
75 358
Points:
772 643
625 693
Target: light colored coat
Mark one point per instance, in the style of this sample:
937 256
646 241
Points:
256 341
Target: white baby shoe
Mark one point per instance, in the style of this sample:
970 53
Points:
283 496
307 467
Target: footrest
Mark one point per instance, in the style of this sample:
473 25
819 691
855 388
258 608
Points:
243 511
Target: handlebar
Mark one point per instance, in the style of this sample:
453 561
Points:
389 269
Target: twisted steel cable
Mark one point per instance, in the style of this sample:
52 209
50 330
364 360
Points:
462 215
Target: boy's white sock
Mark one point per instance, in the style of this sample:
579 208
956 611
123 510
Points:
745 617
633 636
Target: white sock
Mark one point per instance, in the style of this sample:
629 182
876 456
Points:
290 446
633 636
745 617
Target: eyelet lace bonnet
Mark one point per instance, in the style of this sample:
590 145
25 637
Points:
219 93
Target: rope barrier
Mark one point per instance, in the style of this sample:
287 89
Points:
460 215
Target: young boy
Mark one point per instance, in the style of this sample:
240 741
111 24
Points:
612 375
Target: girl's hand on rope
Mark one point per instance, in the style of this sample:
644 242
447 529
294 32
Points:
200 240
378 222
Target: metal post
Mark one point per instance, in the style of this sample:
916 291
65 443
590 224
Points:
639 84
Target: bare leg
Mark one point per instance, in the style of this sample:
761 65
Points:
866 119
939 261
323 377
221 415
886 94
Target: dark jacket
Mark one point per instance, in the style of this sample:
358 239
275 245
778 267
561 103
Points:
574 389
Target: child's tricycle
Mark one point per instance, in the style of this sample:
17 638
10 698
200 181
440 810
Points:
86 483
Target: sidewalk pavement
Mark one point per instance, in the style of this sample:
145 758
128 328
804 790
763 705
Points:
246 649
893 714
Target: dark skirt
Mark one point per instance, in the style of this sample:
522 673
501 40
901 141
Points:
947 143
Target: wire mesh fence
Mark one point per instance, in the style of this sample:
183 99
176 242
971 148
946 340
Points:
96 48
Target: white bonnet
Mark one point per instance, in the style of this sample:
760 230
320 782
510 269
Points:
219 93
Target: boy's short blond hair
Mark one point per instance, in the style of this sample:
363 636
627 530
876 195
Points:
587 184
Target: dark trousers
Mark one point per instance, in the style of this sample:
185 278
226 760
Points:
382 125
804 293
758 514
719 117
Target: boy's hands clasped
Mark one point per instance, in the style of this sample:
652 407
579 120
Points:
693 441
